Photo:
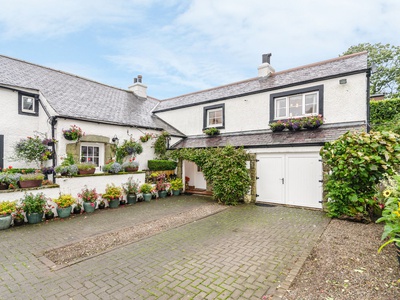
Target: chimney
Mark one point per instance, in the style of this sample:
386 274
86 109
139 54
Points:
138 88
265 69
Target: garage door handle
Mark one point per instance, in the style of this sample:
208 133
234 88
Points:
283 180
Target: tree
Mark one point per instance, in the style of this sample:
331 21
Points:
386 58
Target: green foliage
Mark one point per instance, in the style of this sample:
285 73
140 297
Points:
146 188
224 168
211 131
161 165
7 207
65 200
385 115
32 149
33 203
176 184
160 145
357 162
386 78
128 147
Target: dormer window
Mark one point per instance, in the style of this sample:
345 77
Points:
214 116
28 104
297 103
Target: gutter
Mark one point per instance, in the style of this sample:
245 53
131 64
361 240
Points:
368 100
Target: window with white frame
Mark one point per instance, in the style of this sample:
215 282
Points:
92 153
297 103
28 104
214 116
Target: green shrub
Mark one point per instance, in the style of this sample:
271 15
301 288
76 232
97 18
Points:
357 162
160 145
385 115
224 168
161 165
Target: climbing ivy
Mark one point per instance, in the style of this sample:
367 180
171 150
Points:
356 162
160 145
224 168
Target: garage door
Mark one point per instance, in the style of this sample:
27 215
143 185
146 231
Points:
293 179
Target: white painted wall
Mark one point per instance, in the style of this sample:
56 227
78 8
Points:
342 103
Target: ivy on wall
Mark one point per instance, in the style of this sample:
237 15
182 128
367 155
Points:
160 145
224 168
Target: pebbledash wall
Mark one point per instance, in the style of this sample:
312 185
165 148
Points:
73 185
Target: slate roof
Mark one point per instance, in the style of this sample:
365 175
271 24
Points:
77 97
269 139
333 67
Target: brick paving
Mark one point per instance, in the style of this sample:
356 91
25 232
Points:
243 252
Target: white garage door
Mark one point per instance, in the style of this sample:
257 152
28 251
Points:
293 179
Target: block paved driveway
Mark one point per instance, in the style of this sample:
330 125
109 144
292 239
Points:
243 252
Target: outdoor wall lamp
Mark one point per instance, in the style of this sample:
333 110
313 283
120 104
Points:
343 81
115 139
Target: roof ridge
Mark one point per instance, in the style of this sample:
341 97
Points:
63 72
319 63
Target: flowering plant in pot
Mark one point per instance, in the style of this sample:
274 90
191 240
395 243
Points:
294 124
6 208
34 205
86 168
112 167
277 126
32 149
131 188
313 122
146 190
31 179
176 186
64 205
161 186
147 136
211 131
48 211
131 165
18 215
73 133
89 198
113 194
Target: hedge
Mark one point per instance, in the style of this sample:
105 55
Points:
161 164
384 111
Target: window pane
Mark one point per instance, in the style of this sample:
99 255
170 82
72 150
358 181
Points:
90 151
280 108
27 103
215 117
311 103
96 151
295 106
84 151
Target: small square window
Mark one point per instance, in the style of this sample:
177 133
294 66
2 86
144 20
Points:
28 104
214 116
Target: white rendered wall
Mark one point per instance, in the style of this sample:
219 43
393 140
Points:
342 103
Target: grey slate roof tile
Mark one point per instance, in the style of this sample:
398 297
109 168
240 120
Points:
332 67
77 97
268 139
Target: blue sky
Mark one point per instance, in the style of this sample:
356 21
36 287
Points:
182 46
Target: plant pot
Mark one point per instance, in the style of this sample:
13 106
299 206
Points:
102 205
5 222
64 212
131 169
49 216
68 137
86 172
278 129
162 194
113 203
147 197
131 198
89 207
29 183
77 210
19 222
176 192
122 202
3 186
34 218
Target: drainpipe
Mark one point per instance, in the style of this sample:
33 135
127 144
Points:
368 99
53 123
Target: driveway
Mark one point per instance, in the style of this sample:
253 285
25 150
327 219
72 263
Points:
243 252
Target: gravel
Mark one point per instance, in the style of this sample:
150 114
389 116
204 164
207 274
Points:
345 265
105 242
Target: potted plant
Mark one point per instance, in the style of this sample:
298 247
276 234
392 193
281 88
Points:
147 136
176 186
313 122
8 180
131 165
161 186
131 189
102 204
112 167
89 198
77 210
211 131
294 124
86 168
64 205
48 211
146 190
31 180
277 126
128 147
113 195
73 133
32 149
70 170
6 208
33 205
19 218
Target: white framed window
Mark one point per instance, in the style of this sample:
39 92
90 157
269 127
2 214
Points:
298 105
214 116
92 153
28 104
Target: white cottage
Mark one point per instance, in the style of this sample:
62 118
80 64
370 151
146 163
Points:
289 169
